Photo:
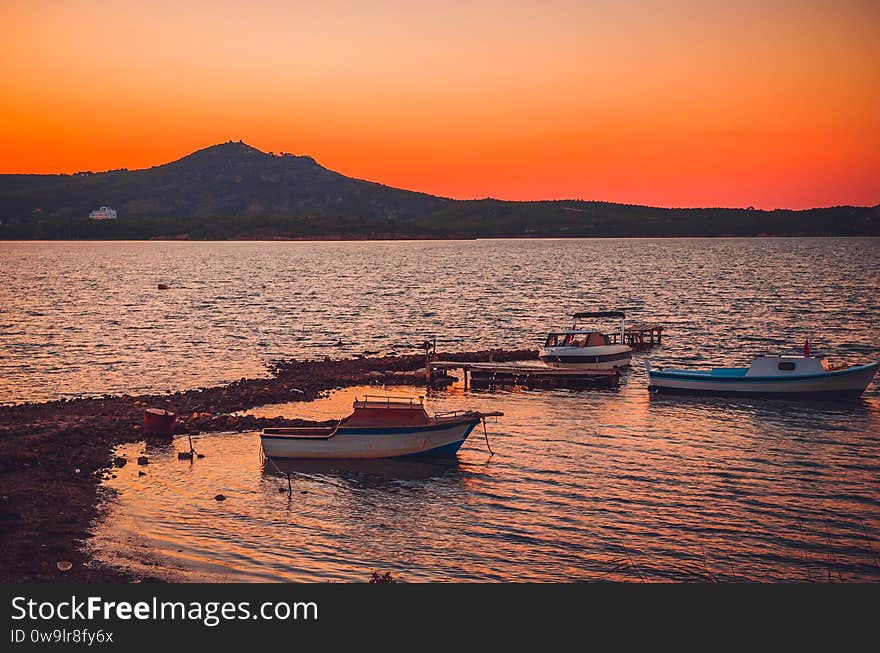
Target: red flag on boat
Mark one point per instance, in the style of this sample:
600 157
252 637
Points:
806 347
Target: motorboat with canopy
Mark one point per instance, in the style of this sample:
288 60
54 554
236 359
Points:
586 347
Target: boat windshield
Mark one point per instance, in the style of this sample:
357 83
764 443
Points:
593 339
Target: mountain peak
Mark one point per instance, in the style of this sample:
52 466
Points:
236 153
232 147
229 149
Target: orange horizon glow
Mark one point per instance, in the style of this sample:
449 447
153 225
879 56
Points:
661 103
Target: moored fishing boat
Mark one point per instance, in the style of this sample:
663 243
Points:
769 375
587 348
379 427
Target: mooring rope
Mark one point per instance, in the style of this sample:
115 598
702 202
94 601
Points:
287 474
486 434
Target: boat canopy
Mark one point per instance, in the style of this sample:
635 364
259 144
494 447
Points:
565 332
620 314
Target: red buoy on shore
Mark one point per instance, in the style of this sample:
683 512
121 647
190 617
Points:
159 422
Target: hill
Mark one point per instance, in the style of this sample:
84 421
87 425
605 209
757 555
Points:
580 219
233 190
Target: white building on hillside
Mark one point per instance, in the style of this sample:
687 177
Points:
104 213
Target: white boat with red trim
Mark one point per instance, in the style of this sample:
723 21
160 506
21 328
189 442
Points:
379 427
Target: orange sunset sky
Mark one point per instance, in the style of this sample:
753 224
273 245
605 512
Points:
678 103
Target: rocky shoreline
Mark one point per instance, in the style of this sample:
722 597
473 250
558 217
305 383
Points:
54 455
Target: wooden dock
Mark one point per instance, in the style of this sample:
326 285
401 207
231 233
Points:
640 336
490 375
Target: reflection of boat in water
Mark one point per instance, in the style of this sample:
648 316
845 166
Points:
379 427
587 348
368 472
786 376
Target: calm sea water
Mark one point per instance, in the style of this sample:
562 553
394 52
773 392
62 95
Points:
584 485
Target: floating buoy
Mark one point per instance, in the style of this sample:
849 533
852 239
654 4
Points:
163 286
220 497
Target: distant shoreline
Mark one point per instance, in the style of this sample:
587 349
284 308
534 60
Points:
232 191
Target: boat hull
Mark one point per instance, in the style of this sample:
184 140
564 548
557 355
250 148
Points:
851 382
434 440
605 357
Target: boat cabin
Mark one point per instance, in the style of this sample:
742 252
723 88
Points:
772 365
581 337
373 411
577 338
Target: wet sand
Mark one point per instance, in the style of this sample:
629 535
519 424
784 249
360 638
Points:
54 455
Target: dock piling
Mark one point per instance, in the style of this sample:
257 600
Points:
639 336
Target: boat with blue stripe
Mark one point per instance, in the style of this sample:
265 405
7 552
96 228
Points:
379 427
769 375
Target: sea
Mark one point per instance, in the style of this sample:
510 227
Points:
582 486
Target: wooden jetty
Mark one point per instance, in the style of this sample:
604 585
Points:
489 375
640 336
